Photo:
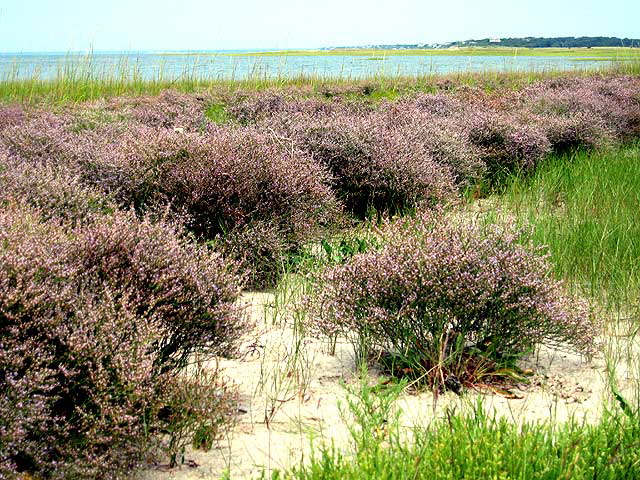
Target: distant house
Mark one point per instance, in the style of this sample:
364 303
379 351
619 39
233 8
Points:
495 40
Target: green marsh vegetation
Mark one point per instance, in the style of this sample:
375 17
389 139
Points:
77 79
584 206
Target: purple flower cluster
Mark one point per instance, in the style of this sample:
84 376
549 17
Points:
374 165
612 103
95 321
11 116
56 193
166 110
439 281
250 108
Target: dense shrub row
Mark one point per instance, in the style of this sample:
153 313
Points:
287 162
375 166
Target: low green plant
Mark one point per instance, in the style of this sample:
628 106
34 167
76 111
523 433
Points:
336 249
217 113
369 411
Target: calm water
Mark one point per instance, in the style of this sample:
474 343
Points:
223 66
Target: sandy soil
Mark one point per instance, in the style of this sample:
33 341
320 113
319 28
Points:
290 402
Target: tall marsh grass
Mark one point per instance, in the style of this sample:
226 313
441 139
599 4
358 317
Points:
79 78
586 208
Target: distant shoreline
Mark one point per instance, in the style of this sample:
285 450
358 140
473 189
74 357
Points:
457 51
593 52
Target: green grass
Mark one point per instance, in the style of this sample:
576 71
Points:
217 113
586 208
76 87
79 80
479 446
472 444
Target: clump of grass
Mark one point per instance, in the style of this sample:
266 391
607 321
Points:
584 206
370 410
479 445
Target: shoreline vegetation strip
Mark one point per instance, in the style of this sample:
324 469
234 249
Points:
610 52
79 82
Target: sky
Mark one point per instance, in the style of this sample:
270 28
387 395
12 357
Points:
159 25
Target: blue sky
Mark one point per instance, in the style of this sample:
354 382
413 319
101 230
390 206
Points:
69 25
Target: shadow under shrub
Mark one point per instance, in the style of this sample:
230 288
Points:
96 324
442 295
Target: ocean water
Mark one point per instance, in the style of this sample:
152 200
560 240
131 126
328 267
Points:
222 65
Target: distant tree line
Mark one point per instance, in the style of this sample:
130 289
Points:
558 42
526 42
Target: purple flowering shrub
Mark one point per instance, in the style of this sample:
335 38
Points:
11 116
611 102
433 126
374 167
190 288
217 183
506 143
261 251
250 108
168 110
575 131
442 292
96 322
52 189
226 183
41 139
431 104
